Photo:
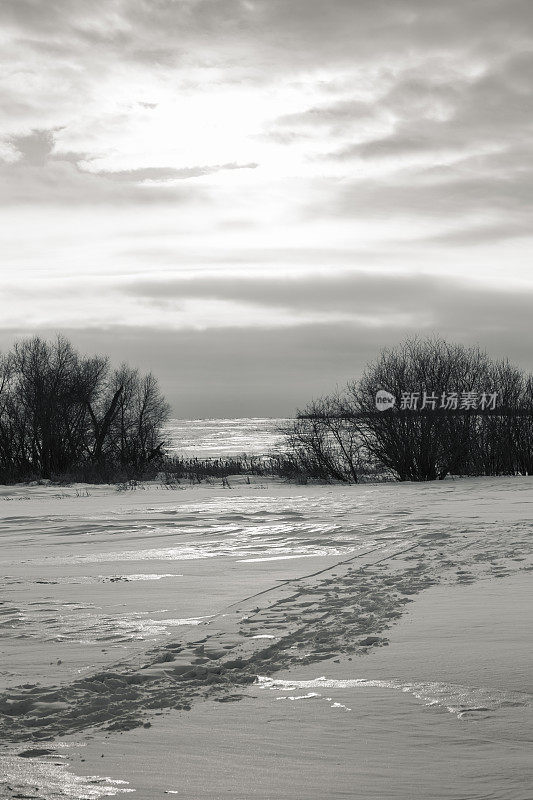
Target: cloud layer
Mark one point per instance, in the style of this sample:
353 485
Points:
349 168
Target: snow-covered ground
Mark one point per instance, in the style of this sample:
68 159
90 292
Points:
267 640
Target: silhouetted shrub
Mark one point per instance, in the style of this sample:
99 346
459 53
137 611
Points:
65 414
343 436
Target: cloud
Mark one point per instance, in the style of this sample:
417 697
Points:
167 173
475 201
62 183
37 175
368 302
450 111
334 114
484 234
240 140
35 147
424 299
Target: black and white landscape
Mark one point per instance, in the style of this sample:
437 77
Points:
266 399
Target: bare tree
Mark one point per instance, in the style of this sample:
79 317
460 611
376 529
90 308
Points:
324 444
60 412
337 435
412 445
140 415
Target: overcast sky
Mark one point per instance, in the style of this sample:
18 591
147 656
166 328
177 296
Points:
251 197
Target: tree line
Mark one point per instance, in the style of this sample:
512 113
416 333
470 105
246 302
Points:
343 436
64 415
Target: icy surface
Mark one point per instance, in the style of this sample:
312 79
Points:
230 438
